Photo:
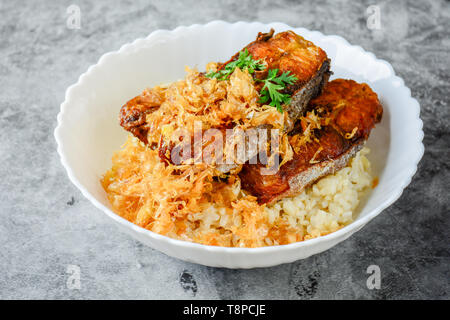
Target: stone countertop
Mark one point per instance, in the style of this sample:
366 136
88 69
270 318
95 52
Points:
48 228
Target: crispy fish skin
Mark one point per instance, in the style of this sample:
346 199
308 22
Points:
289 52
353 110
132 116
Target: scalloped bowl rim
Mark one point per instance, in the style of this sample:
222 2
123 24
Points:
346 230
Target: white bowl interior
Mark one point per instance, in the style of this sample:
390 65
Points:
89 132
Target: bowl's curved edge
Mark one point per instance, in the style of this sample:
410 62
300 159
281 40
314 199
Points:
338 235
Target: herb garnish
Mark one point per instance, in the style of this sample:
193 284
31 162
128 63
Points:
244 61
273 84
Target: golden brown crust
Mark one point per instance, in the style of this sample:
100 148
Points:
286 51
132 116
352 109
355 106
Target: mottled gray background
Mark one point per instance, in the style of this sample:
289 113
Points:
46 224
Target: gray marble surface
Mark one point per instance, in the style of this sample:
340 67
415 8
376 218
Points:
46 225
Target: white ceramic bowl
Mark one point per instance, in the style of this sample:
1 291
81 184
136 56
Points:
88 131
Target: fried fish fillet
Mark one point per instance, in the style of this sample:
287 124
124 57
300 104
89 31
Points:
349 110
286 51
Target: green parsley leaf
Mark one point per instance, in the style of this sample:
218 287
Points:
243 62
273 85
